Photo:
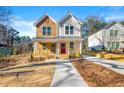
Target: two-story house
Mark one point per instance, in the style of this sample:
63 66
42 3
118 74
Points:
111 37
57 39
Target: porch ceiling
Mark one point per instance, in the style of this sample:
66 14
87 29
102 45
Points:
58 39
46 39
70 39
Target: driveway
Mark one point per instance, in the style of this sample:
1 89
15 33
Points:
111 64
66 75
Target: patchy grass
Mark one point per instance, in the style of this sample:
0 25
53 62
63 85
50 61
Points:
16 60
13 60
17 71
40 76
99 76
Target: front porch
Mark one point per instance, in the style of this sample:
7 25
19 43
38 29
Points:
60 48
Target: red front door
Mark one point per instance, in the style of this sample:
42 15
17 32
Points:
63 48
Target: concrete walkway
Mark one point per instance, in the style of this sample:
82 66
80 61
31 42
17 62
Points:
111 64
67 76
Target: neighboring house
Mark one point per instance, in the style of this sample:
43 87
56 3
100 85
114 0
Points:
6 39
57 39
111 37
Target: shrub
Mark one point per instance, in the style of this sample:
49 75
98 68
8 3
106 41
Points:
33 59
90 53
78 54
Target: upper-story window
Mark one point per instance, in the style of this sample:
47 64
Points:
69 30
113 32
46 30
116 33
66 29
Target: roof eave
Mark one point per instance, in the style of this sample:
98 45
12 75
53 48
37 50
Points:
42 17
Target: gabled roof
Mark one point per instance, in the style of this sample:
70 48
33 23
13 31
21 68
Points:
42 17
69 15
111 24
107 26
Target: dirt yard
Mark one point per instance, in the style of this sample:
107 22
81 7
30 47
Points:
24 74
14 60
99 76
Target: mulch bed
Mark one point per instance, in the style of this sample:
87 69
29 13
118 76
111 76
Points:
98 76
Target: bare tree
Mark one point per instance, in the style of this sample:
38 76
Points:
5 15
8 33
101 40
91 25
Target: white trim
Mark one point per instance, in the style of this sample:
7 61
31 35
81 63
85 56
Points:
72 16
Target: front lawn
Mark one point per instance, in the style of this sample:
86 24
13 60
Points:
23 73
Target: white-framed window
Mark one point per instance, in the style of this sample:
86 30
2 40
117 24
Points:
69 30
108 44
116 33
117 45
46 30
66 29
72 45
113 33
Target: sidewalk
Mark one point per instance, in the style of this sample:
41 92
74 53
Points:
67 76
111 64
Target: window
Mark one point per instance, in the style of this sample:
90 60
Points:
111 32
53 48
115 32
71 45
108 44
71 29
44 30
66 29
48 30
113 45
117 45
44 46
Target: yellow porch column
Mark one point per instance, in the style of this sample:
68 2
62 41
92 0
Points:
57 50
